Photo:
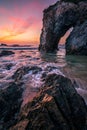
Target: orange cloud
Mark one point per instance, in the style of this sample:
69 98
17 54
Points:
21 20
21 30
19 25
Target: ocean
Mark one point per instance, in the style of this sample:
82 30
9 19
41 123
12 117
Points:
74 67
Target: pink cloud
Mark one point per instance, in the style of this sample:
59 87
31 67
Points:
20 22
22 18
18 26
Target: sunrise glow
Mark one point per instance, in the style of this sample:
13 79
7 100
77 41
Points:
21 20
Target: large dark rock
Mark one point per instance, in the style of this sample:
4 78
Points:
6 53
10 103
58 19
57 107
12 96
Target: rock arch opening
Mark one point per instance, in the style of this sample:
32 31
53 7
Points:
63 39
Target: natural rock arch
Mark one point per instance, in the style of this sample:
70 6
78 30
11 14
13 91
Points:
57 20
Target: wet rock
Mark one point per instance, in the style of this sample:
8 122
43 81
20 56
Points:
58 19
21 126
50 68
6 53
28 57
25 70
8 66
44 75
57 106
10 103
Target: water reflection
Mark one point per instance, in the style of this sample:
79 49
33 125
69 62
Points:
78 65
75 67
57 58
49 57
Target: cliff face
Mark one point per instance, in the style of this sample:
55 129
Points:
57 20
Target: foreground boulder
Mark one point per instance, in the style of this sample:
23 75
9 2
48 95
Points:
58 19
57 107
6 53
10 103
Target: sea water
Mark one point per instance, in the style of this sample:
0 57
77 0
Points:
74 67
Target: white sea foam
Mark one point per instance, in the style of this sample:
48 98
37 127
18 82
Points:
75 67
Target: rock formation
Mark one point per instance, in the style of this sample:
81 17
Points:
11 96
6 53
56 107
3 44
10 103
58 19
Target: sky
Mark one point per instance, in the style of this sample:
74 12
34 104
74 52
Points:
21 20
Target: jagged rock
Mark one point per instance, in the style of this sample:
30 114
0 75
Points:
10 103
21 126
24 70
57 107
12 97
58 19
6 53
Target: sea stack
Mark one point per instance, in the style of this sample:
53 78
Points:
58 19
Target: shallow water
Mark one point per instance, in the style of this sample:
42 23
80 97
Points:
75 67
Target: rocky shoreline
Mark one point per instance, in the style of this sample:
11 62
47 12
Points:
55 106
43 98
